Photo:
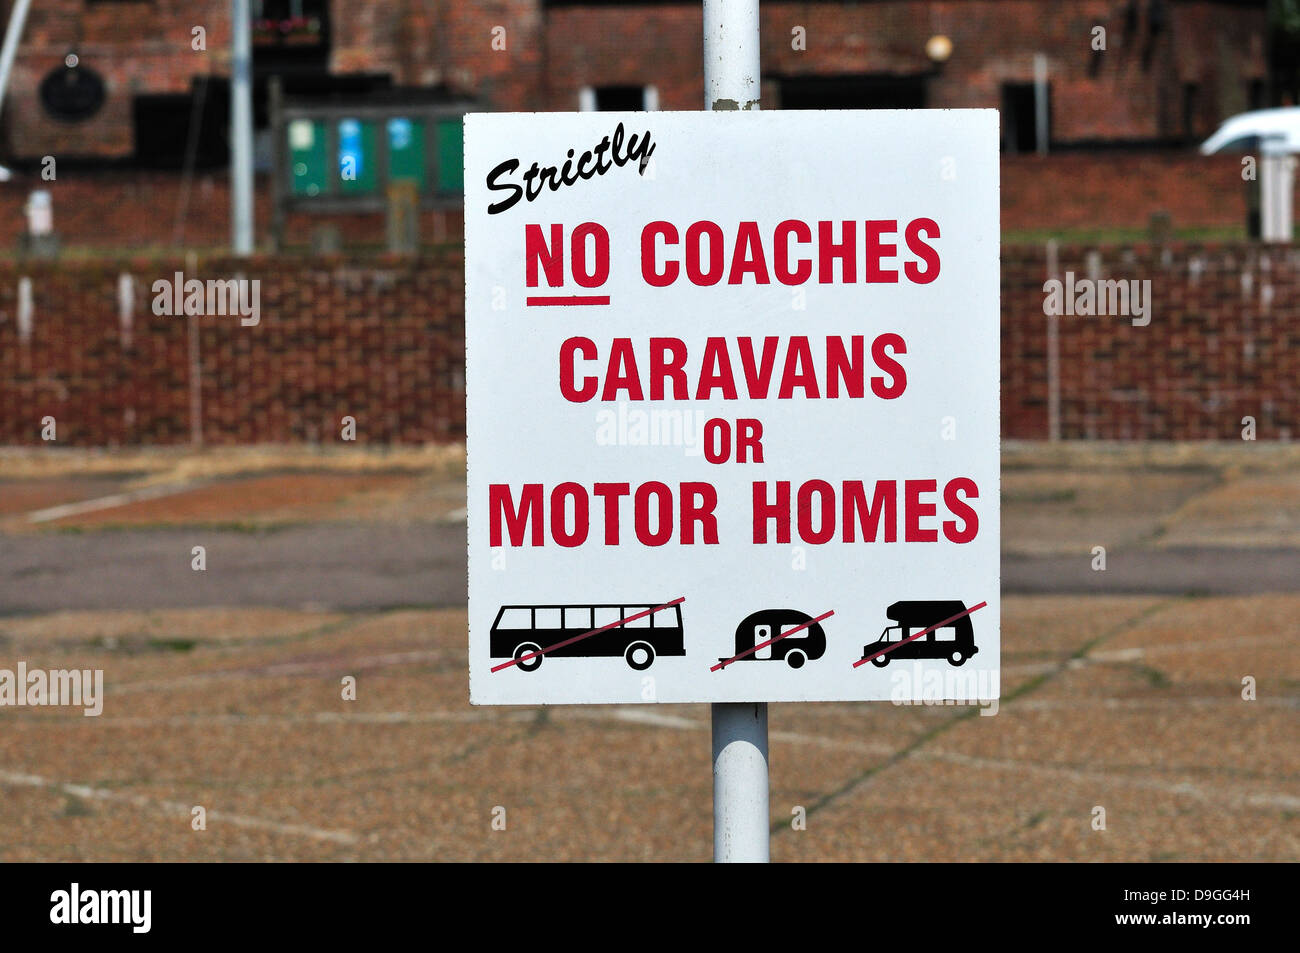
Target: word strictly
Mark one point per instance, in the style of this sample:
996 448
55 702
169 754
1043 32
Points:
74 906
77 688
598 160
179 295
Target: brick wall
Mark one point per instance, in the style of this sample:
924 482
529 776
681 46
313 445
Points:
1223 343
382 339
1122 189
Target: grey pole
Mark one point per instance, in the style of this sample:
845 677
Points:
740 787
241 129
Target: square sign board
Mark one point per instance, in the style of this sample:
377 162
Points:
732 398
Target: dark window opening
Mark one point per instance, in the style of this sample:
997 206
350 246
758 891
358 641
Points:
1020 117
164 123
289 34
1257 94
852 92
620 98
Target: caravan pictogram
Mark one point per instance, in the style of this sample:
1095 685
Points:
776 635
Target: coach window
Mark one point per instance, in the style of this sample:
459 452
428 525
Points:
605 615
641 623
577 618
515 619
549 619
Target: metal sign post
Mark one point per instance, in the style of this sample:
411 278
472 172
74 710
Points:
241 129
740 786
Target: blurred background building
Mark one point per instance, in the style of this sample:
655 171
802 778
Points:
149 91
1102 105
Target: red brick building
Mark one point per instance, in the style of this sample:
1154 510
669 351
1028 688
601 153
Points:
1170 69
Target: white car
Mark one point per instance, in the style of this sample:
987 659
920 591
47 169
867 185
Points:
1241 133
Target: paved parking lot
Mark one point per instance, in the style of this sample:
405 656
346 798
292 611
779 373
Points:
1125 701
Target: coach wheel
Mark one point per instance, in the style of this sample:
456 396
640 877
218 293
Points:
528 648
795 658
640 655
956 657
880 661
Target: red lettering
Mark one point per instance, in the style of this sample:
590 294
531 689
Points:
581 515
621 373
915 510
922 251
611 492
827 512
715 371
779 511
959 508
857 512
501 503
551 258
845 251
876 251
749 440
653 277
798 370
886 363
589 384
758 379
664 529
701 512
693 261
748 257
600 271
840 367
661 368
782 264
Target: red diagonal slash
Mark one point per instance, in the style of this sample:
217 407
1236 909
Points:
587 635
778 638
937 625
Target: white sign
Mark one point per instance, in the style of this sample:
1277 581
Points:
732 397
